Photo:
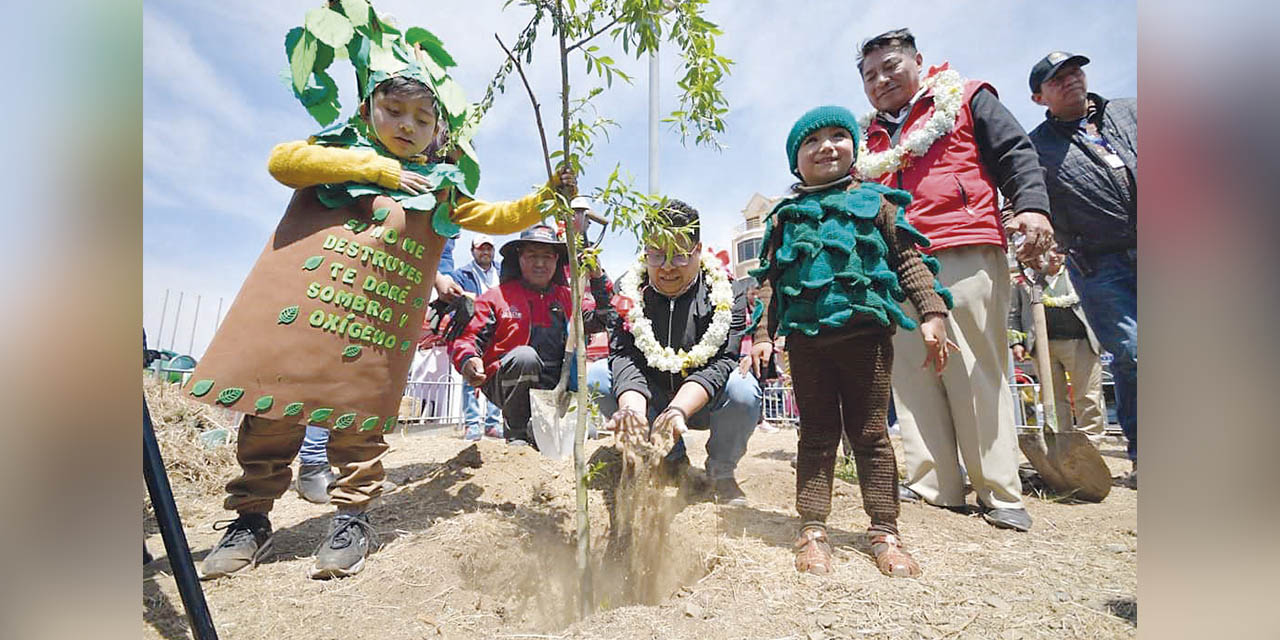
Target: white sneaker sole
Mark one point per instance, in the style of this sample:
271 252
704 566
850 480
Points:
337 572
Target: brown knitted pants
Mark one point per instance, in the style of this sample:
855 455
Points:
842 386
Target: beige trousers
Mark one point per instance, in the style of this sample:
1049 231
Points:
1076 358
969 406
266 447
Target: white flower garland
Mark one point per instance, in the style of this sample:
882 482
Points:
665 358
1068 300
948 97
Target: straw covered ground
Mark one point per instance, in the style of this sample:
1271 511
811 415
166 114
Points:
476 544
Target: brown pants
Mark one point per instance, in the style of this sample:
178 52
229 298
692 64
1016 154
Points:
266 447
842 386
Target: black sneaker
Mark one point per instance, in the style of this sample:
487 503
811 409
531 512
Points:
728 492
1016 519
343 551
314 481
246 542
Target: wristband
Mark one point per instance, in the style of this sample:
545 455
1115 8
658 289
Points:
678 410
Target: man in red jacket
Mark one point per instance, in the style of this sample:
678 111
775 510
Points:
950 142
516 338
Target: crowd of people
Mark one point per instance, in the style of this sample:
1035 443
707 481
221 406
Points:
884 272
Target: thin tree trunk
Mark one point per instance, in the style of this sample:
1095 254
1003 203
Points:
578 335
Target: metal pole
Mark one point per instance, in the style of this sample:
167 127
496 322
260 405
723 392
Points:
175 540
217 322
173 337
653 122
163 309
195 320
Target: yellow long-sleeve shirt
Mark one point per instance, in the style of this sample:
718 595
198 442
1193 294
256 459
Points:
301 164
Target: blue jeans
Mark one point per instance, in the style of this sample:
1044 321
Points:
478 414
1109 297
731 414
314 446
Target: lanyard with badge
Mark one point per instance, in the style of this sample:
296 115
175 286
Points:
1100 145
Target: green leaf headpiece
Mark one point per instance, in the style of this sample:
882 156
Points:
378 51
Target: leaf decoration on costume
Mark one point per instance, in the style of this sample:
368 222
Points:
287 315
321 414
380 213
329 27
389 424
351 351
202 387
377 50
369 423
230 395
293 409
345 420
312 263
264 403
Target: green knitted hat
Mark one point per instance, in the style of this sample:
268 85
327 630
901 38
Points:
814 119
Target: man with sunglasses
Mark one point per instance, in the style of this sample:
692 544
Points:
676 297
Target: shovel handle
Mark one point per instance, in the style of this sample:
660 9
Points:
1042 357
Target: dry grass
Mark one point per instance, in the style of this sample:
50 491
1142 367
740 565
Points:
196 472
477 543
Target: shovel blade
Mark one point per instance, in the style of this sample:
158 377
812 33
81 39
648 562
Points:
1036 450
1079 464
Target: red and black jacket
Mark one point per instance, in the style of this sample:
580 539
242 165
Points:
513 315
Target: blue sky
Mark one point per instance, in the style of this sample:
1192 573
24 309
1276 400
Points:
214 106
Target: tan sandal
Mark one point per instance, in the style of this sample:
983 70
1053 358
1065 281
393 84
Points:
813 551
891 558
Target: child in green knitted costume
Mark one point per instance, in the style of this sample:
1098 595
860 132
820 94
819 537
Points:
838 258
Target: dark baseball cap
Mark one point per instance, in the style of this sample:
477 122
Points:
1049 65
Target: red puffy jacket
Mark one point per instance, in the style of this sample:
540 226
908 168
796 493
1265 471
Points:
954 200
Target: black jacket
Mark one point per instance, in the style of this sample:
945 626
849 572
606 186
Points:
1094 208
678 323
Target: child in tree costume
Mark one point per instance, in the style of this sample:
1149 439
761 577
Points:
323 329
838 258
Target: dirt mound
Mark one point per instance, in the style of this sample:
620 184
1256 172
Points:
477 542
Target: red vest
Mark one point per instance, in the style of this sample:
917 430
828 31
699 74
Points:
953 195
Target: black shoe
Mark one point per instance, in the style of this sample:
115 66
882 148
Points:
1016 519
727 491
246 542
343 551
313 482
907 494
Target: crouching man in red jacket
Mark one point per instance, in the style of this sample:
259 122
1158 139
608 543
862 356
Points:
516 338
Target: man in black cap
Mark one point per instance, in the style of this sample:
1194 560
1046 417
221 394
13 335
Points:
516 338
1088 146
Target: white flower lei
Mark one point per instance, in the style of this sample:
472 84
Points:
948 97
664 358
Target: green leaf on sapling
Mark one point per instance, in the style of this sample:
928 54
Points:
329 26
